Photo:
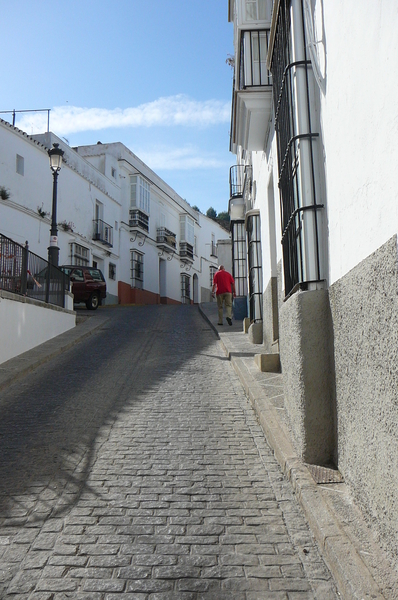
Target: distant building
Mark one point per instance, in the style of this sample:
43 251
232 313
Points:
314 214
113 212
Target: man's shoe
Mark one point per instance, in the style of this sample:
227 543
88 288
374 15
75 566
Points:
229 321
220 323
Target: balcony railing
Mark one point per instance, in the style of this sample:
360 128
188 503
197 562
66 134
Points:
138 220
240 180
25 273
236 180
252 92
240 187
253 70
166 239
103 232
186 252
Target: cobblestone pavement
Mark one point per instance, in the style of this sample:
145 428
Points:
133 465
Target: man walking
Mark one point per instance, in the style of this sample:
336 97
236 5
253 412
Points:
224 283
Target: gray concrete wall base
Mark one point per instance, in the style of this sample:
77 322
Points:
307 366
365 326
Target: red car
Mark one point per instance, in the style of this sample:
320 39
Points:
88 285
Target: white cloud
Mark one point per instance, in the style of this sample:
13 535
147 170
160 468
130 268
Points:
184 159
169 111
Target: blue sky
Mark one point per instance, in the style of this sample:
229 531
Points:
150 73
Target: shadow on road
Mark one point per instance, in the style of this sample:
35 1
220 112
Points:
54 421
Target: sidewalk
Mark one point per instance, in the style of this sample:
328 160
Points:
350 549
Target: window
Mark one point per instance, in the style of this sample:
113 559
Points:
20 165
255 268
213 247
139 193
137 270
213 271
79 255
239 268
112 271
257 10
78 275
187 229
254 49
185 289
113 172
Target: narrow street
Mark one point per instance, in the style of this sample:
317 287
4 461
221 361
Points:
133 466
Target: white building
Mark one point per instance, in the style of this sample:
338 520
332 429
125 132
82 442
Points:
113 212
314 212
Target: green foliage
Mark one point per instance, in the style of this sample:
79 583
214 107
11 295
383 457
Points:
223 216
211 213
4 193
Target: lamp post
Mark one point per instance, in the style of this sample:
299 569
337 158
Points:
55 155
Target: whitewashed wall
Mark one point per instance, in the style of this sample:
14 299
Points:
164 200
26 324
90 174
360 126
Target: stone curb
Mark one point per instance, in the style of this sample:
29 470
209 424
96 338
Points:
353 578
15 368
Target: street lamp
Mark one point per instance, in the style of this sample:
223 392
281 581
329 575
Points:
55 155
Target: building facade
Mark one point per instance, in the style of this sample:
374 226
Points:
313 206
114 213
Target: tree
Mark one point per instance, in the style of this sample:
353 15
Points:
211 213
196 208
223 216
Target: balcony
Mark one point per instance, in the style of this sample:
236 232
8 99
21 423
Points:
240 188
186 252
252 93
103 232
138 220
165 239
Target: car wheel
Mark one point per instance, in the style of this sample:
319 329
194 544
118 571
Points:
93 302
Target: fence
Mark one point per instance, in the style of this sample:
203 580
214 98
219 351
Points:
25 273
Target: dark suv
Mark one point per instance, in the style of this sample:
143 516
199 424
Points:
88 285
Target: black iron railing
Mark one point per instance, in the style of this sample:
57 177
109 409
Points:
240 177
186 251
255 268
138 219
165 237
292 160
25 273
236 180
253 70
239 257
103 232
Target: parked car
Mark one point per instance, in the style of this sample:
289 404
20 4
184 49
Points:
88 285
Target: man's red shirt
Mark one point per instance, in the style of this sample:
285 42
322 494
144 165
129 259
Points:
223 281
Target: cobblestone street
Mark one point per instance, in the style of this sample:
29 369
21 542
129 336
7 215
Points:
133 466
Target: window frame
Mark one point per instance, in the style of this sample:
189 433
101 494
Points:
137 279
